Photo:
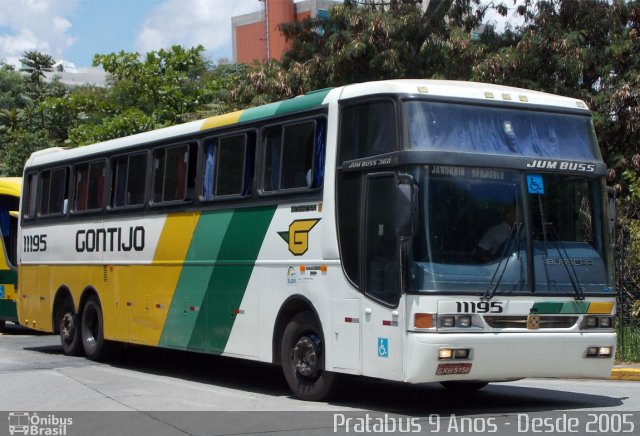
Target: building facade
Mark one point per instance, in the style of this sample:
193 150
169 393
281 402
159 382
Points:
256 36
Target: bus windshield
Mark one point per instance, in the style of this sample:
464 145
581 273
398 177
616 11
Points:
498 130
476 224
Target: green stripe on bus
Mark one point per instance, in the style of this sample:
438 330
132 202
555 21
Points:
307 101
9 276
192 284
575 307
228 282
565 307
8 310
547 307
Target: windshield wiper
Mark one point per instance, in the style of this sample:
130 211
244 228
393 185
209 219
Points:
575 283
514 235
564 258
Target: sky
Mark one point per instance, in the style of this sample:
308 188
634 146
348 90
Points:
75 30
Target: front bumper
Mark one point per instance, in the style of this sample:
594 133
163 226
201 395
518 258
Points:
509 356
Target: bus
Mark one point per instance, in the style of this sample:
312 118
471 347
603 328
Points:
10 189
408 230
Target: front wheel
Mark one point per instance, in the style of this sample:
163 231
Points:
93 342
303 358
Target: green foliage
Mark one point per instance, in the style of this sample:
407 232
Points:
163 86
129 122
16 148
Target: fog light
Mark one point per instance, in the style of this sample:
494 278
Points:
464 321
447 321
604 352
605 322
592 351
445 354
461 353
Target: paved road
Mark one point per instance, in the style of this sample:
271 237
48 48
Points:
36 376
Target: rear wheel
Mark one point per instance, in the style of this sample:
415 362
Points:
70 332
93 342
458 386
303 358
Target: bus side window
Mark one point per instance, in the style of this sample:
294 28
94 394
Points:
367 129
29 196
294 156
54 190
89 184
228 167
129 180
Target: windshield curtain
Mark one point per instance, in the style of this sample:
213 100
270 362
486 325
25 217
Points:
494 130
473 232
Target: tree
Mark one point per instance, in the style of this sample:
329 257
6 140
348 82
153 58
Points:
164 85
36 64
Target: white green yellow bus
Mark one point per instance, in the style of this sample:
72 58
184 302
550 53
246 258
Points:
409 230
10 189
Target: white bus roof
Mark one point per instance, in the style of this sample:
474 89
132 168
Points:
440 88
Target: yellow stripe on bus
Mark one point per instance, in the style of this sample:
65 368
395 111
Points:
221 120
600 307
155 285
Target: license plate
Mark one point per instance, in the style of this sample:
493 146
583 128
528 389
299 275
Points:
453 368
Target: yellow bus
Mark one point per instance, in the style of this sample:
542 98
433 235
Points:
409 230
10 189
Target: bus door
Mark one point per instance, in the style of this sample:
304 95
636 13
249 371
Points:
383 315
8 273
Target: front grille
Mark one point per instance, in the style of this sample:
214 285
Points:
520 322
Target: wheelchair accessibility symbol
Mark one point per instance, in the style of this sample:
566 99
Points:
383 347
535 184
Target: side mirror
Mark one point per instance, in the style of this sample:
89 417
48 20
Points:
612 213
406 206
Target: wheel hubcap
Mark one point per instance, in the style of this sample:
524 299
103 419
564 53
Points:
306 356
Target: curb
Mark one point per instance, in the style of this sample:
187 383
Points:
630 374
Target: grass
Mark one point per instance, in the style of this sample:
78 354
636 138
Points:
628 348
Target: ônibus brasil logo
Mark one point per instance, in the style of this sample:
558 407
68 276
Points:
26 423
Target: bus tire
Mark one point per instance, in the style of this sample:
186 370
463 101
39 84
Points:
460 386
2 324
95 346
70 332
303 356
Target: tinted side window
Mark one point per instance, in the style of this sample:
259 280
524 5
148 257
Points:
170 173
228 168
367 129
29 196
294 156
89 179
53 192
129 180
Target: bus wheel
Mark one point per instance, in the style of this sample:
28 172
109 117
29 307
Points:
458 386
2 325
93 342
70 333
302 356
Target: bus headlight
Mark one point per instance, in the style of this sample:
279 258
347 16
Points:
447 321
462 321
